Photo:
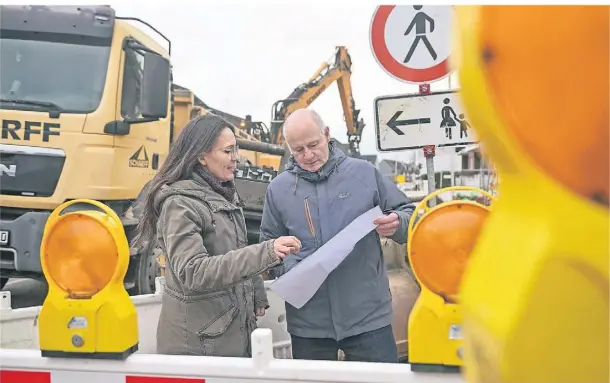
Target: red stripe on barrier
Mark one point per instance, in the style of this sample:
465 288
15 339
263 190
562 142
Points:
158 379
13 376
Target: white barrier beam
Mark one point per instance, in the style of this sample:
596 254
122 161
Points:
5 300
262 367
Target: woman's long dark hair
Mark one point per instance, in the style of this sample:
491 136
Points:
198 137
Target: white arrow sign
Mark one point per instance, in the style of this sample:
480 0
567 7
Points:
413 121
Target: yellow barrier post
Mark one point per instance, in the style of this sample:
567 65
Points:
439 245
87 312
535 297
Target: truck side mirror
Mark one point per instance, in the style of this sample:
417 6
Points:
155 86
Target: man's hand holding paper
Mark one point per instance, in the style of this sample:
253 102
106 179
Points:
387 224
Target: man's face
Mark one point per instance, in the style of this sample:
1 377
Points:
309 146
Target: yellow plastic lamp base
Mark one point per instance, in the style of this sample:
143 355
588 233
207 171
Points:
535 297
87 312
440 243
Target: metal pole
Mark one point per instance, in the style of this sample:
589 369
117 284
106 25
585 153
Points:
262 147
429 152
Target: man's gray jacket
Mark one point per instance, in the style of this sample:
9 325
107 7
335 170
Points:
355 298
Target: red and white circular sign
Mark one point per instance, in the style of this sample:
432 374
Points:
413 42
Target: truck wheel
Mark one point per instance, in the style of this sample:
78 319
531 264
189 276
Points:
3 281
147 269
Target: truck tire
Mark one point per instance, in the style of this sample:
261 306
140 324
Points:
3 281
144 264
146 270
143 268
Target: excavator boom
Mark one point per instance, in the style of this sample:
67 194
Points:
339 70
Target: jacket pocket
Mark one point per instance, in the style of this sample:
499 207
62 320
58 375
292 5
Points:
210 334
212 322
219 325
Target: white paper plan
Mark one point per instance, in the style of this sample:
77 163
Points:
299 284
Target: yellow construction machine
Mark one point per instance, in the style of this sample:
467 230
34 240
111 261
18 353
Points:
338 69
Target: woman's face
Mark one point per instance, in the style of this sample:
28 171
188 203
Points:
221 160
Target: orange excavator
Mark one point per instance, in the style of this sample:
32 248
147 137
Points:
339 69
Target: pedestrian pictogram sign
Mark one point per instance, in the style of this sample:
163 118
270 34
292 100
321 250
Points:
413 42
414 121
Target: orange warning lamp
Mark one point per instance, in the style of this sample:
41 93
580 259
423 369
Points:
440 242
534 299
87 312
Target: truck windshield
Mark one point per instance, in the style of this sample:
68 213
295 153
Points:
35 73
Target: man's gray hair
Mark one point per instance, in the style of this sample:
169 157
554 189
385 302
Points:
316 117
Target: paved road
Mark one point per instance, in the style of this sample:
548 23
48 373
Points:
26 292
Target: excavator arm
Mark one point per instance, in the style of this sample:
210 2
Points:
339 70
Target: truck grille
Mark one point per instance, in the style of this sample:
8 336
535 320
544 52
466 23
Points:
30 171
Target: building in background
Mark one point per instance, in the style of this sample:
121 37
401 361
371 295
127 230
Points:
475 170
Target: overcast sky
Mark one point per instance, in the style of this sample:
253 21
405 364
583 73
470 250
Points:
241 58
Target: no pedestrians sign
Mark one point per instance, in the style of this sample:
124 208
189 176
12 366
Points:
413 42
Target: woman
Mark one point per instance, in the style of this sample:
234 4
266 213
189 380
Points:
213 286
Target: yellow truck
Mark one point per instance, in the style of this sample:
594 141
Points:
88 110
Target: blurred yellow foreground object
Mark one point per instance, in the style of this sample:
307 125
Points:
535 298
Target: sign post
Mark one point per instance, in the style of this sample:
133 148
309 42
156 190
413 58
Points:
429 152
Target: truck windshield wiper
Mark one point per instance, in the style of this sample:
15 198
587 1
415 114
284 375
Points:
45 104
28 102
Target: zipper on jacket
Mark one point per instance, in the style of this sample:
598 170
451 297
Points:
235 226
312 229
243 290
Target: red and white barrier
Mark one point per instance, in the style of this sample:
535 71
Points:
15 376
27 366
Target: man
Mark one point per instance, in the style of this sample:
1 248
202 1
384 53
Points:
319 194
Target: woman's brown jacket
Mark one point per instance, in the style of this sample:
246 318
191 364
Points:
213 282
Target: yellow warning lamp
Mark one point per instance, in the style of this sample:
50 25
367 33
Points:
440 241
535 297
87 312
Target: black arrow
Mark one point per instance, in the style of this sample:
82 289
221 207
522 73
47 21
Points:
395 122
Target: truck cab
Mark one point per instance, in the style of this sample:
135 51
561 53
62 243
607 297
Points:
86 112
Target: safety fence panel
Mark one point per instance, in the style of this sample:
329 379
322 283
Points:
27 366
